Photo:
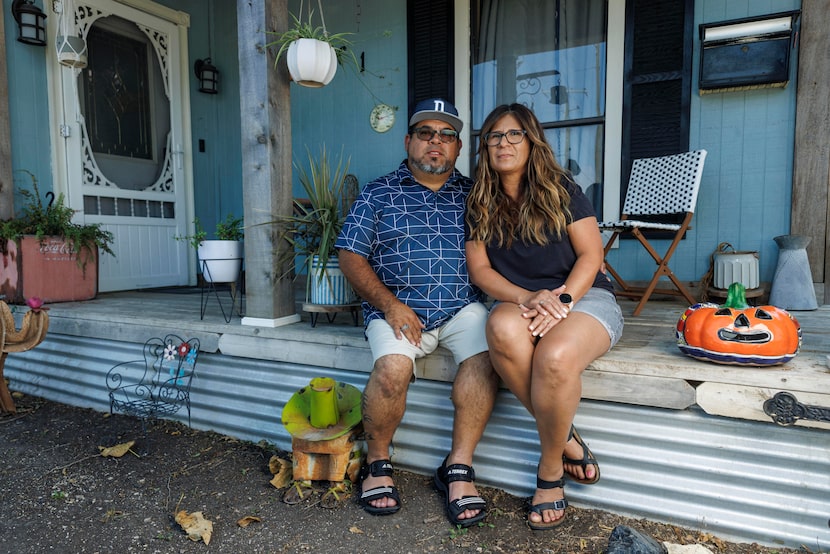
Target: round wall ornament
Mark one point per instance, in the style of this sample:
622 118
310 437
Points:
382 118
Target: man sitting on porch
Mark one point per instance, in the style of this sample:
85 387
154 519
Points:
402 249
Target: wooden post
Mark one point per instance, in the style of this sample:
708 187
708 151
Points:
6 185
811 166
266 161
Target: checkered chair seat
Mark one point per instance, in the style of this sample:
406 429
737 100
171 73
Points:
623 225
661 191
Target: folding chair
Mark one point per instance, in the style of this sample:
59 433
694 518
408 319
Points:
660 192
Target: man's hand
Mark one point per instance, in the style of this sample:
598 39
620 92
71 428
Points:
405 323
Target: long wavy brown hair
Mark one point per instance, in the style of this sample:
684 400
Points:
543 207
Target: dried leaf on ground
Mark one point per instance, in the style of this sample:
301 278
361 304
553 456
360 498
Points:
116 451
354 530
282 470
195 525
247 520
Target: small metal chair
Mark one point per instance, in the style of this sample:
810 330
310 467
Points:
661 192
158 385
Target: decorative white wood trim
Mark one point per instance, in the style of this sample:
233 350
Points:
85 17
169 14
615 62
463 77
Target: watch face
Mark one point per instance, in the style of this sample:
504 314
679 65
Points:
382 118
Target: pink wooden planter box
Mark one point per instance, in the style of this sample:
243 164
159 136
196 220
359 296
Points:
48 270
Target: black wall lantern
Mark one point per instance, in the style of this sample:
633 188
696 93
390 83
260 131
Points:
208 76
31 22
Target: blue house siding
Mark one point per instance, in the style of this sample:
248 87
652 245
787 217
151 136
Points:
746 190
215 118
28 109
338 114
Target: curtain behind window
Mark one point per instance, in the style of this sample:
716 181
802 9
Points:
551 57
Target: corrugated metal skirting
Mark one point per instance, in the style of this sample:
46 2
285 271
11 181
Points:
741 480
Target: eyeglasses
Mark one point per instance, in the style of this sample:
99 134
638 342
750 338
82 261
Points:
513 136
426 134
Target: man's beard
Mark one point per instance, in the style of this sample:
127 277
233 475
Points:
434 170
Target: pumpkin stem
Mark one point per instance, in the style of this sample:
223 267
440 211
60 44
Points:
736 297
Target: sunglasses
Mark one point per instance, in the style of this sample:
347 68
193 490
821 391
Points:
426 134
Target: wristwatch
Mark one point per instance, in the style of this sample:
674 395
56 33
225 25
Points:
567 300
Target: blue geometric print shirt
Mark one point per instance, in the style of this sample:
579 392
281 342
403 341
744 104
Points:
414 240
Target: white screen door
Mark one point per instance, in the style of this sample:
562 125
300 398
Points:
124 153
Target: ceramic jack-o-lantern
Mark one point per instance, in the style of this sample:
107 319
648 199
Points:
737 333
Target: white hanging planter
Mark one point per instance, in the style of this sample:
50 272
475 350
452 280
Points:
311 62
220 260
71 51
70 43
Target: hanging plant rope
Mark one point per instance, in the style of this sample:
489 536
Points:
310 14
322 19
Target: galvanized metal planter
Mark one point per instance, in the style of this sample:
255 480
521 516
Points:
329 286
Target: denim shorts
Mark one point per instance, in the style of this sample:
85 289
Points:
602 306
463 335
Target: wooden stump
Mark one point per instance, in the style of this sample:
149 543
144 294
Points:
326 460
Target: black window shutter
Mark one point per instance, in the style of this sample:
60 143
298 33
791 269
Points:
430 50
657 82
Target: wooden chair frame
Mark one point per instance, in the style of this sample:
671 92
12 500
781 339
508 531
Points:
659 188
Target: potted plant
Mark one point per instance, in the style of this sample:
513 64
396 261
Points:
312 54
220 259
44 254
315 224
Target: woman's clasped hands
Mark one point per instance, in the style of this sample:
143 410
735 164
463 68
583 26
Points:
545 308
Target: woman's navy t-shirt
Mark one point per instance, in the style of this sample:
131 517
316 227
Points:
535 267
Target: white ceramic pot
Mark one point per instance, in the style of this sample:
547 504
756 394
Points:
736 267
311 62
331 287
220 260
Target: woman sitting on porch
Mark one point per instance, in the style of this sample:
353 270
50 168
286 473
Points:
533 245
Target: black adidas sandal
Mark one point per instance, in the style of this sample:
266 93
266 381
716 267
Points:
557 505
445 475
379 468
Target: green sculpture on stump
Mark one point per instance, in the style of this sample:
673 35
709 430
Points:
323 420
